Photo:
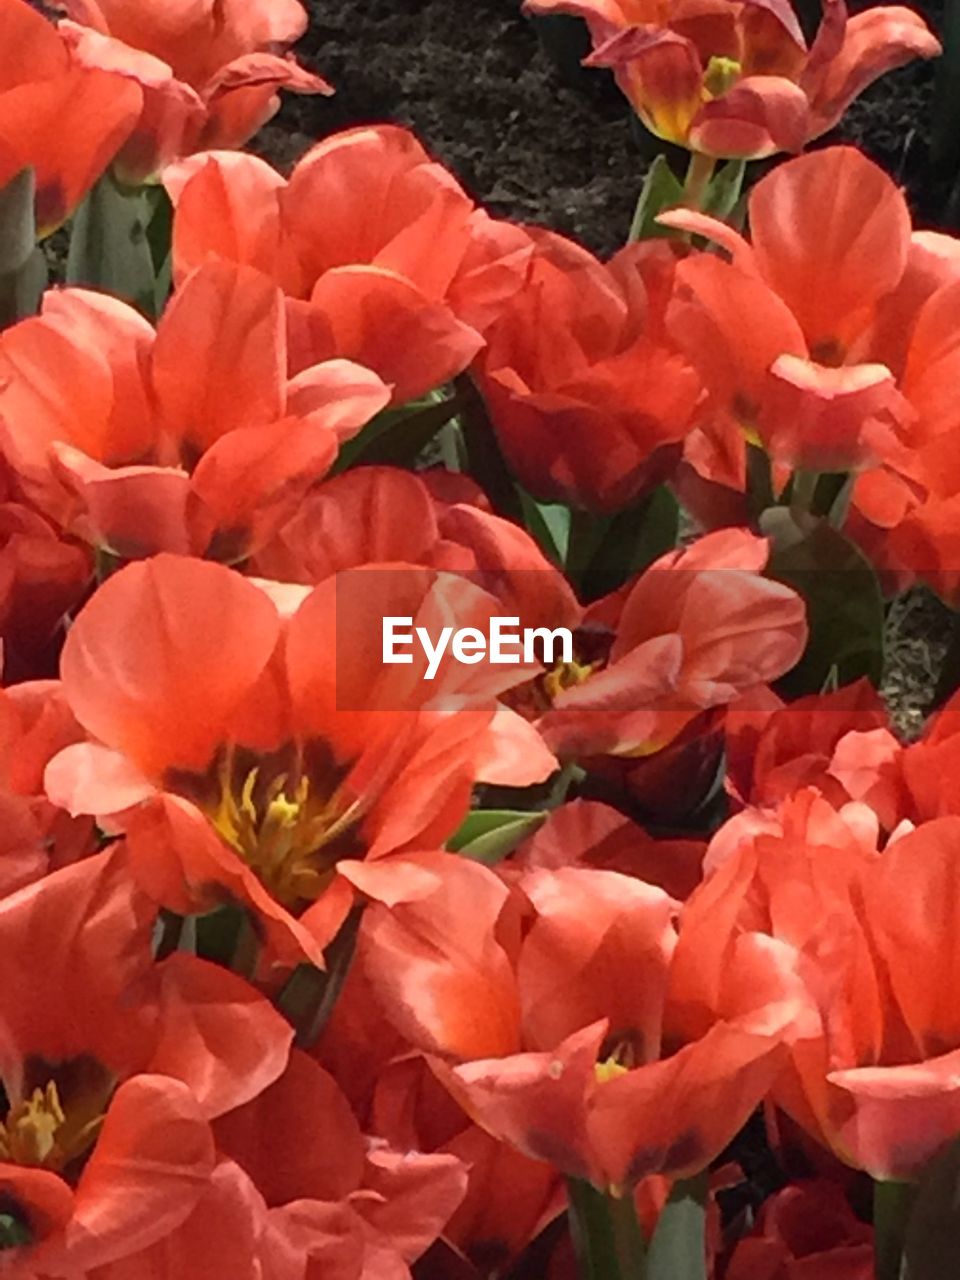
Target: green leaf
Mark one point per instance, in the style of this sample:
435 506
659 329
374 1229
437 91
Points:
18 234
661 190
549 523
932 1238
678 1249
23 268
844 603
110 244
723 194
396 436
485 461
490 835
629 543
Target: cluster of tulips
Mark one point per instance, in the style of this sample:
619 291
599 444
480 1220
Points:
634 962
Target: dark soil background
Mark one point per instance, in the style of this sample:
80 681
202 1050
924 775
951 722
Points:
472 78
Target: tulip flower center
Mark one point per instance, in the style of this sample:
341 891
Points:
567 675
610 1069
56 1124
288 826
721 74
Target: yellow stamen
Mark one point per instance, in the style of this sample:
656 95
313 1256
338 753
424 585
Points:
285 835
566 675
721 74
610 1069
38 1133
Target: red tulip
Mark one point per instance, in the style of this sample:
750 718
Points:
598 1078
838 742
188 438
250 753
64 119
805 1232
589 401
694 631
329 1203
112 1068
402 273
210 77
737 79
37 836
42 577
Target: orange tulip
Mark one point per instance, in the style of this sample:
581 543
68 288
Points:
329 1203
816 339
189 438
37 837
599 1078
589 401
737 79
928 766
112 1068
64 119
805 1232
42 577
509 1198
872 1072
210 76
838 742
585 833
249 754
403 272
696 629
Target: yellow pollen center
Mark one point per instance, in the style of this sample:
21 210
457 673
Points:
38 1133
610 1069
721 74
283 834
566 675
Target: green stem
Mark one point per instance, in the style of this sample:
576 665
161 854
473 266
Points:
109 243
699 172
308 998
892 1202
803 491
587 530
607 1238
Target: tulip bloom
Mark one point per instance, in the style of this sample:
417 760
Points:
330 1202
838 742
402 273
600 1078
817 339
928 767
805 1232
36 837
189 438
64 119
383 514
585 833
695 630
737 79
589 400
112 1069
210 77
253 751
872 1071
42 577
